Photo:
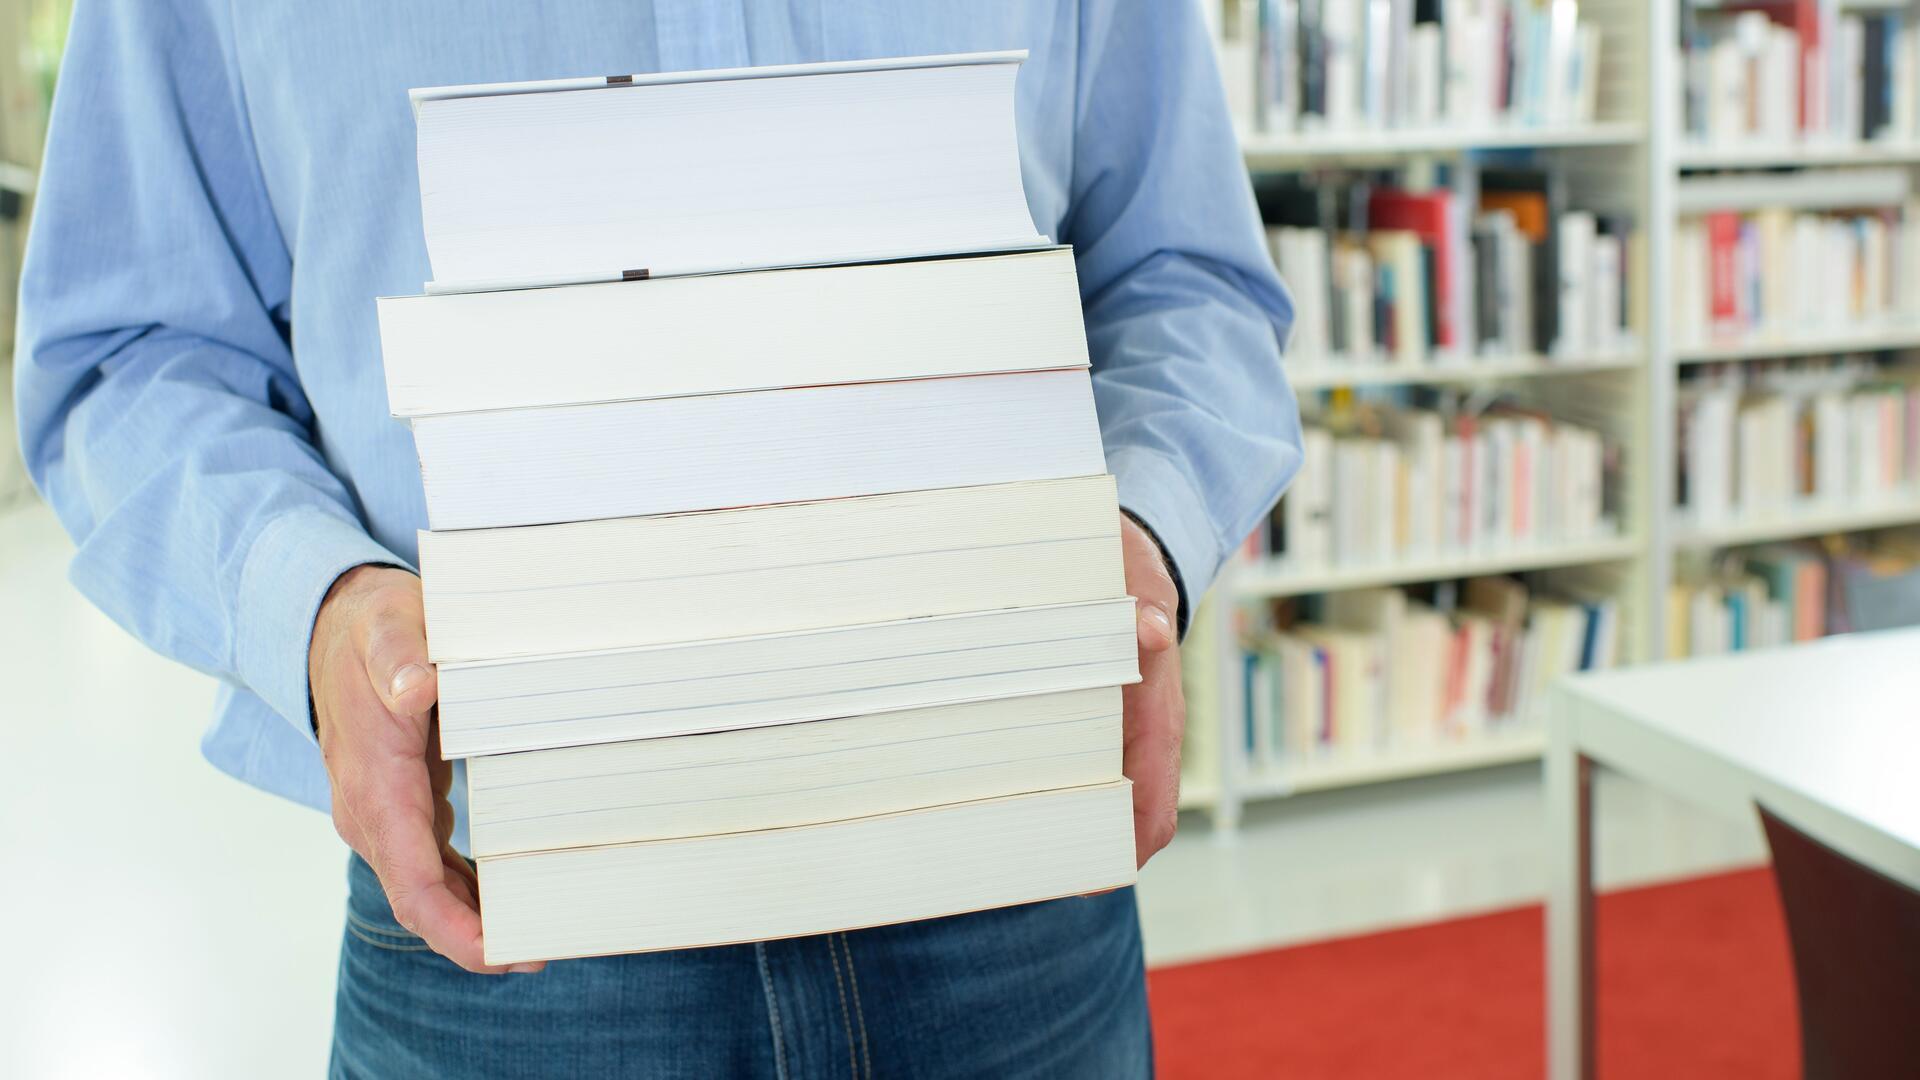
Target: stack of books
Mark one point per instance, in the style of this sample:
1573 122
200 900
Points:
1750 599
1775 73
1499 265
774 574
1376 65
1774 441
1377 671
1780 272
1384 483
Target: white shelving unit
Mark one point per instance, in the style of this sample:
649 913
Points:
1795 523
1279 578
1698 158
1306 150
1485 369
1634 160
1504 745
1868 339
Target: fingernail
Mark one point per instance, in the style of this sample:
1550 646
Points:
523 969
406 679
1159 616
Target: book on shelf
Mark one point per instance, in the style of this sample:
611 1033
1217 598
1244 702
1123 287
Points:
1413 279
1752 598
1781 73
1385 483
1775 272
1369 672
1581 260
774 572
1812 436
1200 679
508 467
1873 581
552 182
1343 66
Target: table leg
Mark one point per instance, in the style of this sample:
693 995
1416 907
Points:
1570 960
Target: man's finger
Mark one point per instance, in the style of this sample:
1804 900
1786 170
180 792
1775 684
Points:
406 856
1151 755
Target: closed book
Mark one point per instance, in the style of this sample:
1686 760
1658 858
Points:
810 879
685 687
1429 216
1723 278
1876 106
631 458
627 176
1404 307
627 582
719 333
750 779
1576 240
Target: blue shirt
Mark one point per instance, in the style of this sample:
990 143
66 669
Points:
228 186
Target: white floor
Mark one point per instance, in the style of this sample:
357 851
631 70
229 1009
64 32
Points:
168 922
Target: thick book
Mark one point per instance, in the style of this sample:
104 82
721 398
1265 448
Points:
626 582
1429 216
617 177
719 333
682 688
511 467
811 879
751 779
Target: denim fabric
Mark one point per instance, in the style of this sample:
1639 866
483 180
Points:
1054 990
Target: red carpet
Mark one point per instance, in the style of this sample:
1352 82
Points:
1695 982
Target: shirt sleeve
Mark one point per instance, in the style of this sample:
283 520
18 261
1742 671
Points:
160 411
1185 313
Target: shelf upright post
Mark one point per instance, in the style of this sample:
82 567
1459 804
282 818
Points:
1662 147
1230 696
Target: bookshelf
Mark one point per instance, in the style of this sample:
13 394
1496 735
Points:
1303 150
1780 347
1514 742
1694 157
1480 370
1635 157
1793 523
1273 578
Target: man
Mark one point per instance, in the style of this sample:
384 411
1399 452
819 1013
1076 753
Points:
227 188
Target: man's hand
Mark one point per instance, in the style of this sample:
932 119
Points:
1156 709
373 697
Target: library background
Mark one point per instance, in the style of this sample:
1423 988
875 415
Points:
1607 314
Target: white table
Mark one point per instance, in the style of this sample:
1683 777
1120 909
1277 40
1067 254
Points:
1826 734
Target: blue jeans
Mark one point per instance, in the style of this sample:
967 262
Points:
1054 990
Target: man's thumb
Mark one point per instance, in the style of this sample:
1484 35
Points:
397 666
1156 627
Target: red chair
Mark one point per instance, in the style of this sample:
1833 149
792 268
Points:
1856 959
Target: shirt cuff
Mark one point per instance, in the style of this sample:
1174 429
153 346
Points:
1156 493
290 566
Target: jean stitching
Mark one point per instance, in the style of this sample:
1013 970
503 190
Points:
846 1018
373 928
859 1014
773 1013
387 945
